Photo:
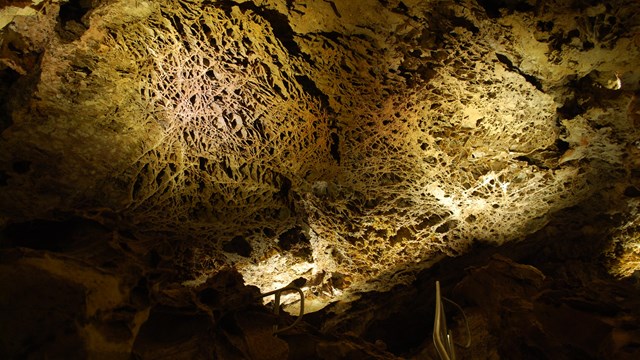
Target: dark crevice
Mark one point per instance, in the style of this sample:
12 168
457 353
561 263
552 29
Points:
279 23
140 293
295 241
558 39
202 163
335 147
545 26
182 326
532 162
401 8
464 23
154 258
257 125
571 109
505 60
178 25
74 10
331 35
21 166
529 78
562 146
310 88
48 235
407 74
285 186
238 245
8 77
81 69
4 178
288 239
268 232
493 7
632 191
532 80
71 16
209 297
226 168
580 100
334 8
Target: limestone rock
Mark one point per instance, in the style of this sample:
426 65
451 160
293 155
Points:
346 145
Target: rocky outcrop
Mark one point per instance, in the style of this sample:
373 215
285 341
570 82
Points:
512 310
109 308
149 149
363 144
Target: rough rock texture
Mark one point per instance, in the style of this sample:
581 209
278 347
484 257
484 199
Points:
547 297
56 307
148 147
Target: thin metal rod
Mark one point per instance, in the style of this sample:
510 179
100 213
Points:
440 327
466 323
442 338
276 306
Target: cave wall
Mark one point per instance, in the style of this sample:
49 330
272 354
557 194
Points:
349 143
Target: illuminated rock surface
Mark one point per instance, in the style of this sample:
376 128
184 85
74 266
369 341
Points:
156 155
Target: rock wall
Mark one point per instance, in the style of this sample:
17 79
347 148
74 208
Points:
349 143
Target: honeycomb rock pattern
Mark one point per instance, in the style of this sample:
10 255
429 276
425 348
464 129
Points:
349 143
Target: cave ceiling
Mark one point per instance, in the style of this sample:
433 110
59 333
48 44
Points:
349 143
